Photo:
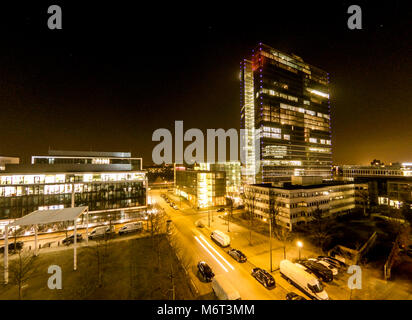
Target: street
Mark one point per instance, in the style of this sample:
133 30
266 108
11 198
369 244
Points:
197 246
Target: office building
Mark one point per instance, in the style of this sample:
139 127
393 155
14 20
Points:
285 113
88 157
202 188
8 160
233 175
389 185
53 184
296 200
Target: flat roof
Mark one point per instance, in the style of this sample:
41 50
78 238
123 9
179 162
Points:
89 153
290 186
65 168
49 216
33 172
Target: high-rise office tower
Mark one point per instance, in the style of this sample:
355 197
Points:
285 112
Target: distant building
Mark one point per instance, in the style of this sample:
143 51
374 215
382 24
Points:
8 160
160 174
88 157
389 185
285 112
297 200
103 181
233 175
203 188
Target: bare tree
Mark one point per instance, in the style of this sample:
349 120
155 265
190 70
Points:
100 256
157 228
281 233
250 198
21 269
229 202
320 227
364 196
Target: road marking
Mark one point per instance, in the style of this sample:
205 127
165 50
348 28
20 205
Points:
210 246
213 256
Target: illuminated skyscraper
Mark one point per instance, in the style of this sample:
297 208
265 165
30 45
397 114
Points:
285 112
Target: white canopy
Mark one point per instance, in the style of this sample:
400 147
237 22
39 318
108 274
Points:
45 217
49 216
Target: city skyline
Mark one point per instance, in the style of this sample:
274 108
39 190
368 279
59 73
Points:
77 93
189 152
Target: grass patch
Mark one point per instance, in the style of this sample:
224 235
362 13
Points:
119 270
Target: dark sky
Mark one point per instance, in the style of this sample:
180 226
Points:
117 72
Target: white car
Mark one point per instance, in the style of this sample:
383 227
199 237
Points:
301 279
131 227
100 232
327 265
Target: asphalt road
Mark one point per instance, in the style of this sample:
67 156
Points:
53 237
196 245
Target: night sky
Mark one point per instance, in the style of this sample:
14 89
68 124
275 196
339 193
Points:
117 72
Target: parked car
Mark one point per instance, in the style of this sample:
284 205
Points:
301 279
70 239
294 296
263 277
238 255
409 251
205 271
336 255
317 269
220 238
199 224
223 288
332 260
99 232
327 265
12 247
220 210
131 227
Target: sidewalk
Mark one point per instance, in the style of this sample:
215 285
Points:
258 252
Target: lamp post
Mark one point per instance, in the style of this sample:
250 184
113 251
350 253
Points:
270 241
300 245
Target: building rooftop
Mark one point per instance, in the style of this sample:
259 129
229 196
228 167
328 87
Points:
67 153
290 186
61 168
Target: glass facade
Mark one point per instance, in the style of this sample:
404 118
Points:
21 194
233 174
136 163
287 123
202 188
296 203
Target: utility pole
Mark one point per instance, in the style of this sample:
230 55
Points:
270 240
73 195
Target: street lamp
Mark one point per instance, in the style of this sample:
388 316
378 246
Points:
300 245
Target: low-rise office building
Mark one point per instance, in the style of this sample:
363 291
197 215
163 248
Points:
202 188
88 157
233 175
8 160
103 187
389 185
296 200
